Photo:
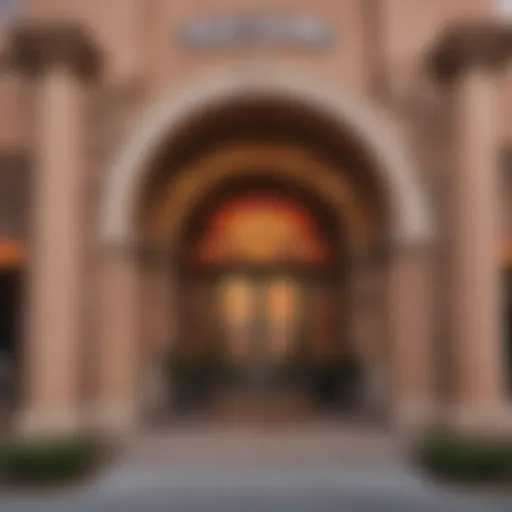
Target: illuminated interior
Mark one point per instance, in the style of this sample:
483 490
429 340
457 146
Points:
261 228
264 263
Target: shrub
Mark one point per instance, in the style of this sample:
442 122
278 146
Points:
467 459
194 378
47 460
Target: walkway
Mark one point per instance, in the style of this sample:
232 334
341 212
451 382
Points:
316 468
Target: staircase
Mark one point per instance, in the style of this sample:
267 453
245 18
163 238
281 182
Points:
307 444
261 408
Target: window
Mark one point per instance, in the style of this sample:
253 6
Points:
8 8
505 8
506 205
508 324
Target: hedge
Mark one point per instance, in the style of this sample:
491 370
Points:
467 459
40 461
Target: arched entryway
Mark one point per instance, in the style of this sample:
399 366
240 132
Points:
282 140
261 286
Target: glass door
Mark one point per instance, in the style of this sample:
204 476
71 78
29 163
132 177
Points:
236 317
259 318
282 312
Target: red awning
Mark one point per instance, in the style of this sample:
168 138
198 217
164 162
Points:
11 254
508 254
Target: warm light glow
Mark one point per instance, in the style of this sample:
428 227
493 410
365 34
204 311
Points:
261 228
273 304
282 310
237 308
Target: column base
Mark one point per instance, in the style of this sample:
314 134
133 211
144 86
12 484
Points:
37 423
114 420
415 418
495 420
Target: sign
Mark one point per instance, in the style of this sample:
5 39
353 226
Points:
245 30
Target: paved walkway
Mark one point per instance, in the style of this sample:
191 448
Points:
310 469
223 444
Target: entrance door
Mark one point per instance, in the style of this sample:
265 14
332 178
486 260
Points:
259 326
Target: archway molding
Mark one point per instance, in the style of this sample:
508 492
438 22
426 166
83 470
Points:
411 220
284 162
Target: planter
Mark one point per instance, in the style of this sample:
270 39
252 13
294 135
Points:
42 462
467 460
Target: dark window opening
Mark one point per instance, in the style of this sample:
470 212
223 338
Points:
10 301
508 326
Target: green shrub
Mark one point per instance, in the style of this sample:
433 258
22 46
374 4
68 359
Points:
467 459
47 460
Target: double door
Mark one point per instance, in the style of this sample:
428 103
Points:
260 325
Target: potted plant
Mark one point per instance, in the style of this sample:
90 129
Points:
194 376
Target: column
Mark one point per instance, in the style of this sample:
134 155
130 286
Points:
411 342
476 320
367 327
158 332
120 355
364 291
54 56
468 61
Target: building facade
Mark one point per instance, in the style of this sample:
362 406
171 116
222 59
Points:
256 177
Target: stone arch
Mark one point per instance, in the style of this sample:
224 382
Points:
287 163
410 217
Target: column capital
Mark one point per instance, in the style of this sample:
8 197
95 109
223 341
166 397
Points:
37 45
469 44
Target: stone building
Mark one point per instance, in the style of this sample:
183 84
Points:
256 177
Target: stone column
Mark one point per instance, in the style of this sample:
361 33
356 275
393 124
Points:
160 291
410 344
60 58
365 299
358 291
120 385
476 240
468 60
368 322
157 333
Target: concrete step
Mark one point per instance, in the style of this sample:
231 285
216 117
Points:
220 444
283 407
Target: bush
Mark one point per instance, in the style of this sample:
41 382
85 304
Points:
467 459
194 378
47 460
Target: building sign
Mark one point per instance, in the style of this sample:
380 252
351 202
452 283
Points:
244 30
